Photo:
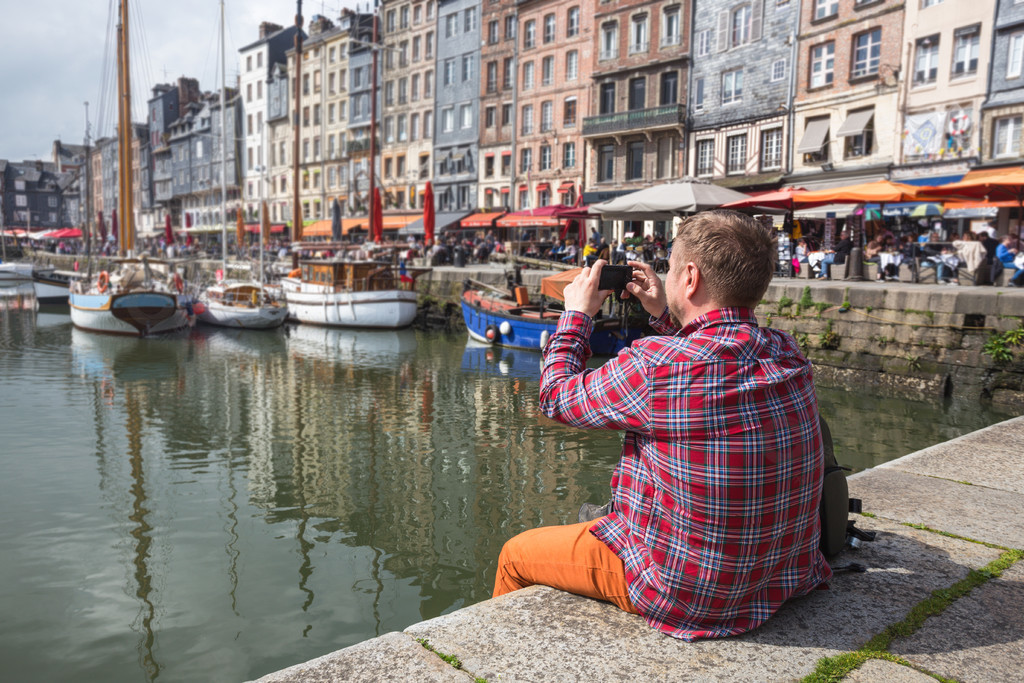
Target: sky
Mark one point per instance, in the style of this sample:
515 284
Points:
54 59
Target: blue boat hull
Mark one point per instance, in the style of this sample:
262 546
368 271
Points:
533 333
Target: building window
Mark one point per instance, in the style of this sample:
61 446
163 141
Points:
549 28
1006 137
569 113
547 116
451 25
528 76
867 52
547 71
666 162
470 20
447 120
698 94
925 4
825 8
926 60
704 43
606 163
572 26
510 27
741 17
527 126
638 34
524 198
545 157
670 33
449 72
860 145
736 154
572 65
428 46
771 149
635 161
637 93
529 34
466 115
732 86
468 67
778 70
569 155
506 114
609 41
414 127
525 159
493 32
705 157
822 64
1016 57
965 50
492 77
506 74
669 88
607 99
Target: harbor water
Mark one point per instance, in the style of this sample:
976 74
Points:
217 505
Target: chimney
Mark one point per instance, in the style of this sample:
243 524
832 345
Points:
268 28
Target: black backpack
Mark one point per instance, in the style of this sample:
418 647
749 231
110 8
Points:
837 529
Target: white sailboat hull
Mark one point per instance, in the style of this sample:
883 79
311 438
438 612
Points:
387 308
138 317
16 272
245 317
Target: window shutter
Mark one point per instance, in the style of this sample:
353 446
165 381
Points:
723 30
756 19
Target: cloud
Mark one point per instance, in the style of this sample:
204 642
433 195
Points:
54 60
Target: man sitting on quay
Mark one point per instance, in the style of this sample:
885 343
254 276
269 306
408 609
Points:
714 514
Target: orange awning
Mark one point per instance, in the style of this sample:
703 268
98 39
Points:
979 173
566 186
349 224
399 221
481 220
514 221
317 229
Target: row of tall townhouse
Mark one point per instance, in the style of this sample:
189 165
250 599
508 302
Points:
506 104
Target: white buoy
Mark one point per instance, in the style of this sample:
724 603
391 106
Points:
544 336
505 327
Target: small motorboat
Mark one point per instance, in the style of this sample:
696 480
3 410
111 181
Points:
245 305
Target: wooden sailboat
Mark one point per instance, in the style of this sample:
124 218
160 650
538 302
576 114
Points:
361 292
141 296
230 303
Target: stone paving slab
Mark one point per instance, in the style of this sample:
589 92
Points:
992 457
393 656
975 512
884 671
978 638
540 634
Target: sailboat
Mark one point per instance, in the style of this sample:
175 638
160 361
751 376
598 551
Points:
230 303
141 296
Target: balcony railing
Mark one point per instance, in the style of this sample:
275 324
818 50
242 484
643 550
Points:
608 54
668 116
361 145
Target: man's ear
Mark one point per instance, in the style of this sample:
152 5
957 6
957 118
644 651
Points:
691 280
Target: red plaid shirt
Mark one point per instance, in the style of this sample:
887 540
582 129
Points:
716 493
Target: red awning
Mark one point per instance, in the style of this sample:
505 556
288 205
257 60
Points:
255 228
488 190
543 187
567 186
481 220
504 190
506 153
489 154
524 188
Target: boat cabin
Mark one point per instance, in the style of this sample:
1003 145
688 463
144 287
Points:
356 276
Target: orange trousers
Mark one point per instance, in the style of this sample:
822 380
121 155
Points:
566 557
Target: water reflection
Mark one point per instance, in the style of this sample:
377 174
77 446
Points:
265 498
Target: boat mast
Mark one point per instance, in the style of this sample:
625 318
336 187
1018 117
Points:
223 154
297 207
372 204
126 203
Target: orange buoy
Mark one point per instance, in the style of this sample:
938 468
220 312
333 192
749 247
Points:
103 281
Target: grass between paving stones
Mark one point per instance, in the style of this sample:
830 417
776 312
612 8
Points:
836 668
454 661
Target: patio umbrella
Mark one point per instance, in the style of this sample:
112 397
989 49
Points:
428 214
168 232
336 220
101 226
925 210
377 217
239 228
1001 187
664 202
783 198
877 192
265 223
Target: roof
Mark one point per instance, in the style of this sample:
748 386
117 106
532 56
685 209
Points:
267 39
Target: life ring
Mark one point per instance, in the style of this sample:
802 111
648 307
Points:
179 284
103 281
959 124
491 334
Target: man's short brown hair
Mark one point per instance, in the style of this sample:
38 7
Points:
735 254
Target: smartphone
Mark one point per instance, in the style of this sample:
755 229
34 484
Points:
615 278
